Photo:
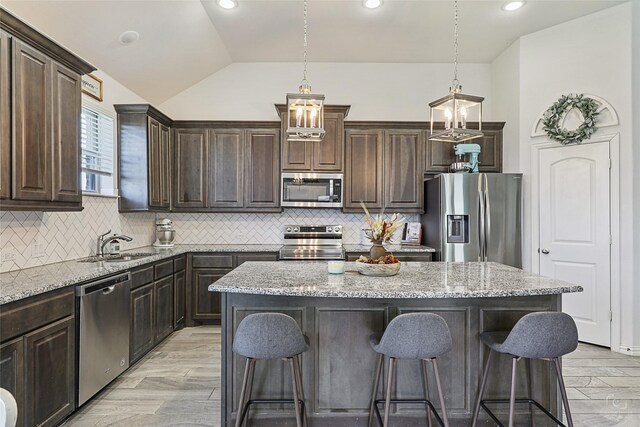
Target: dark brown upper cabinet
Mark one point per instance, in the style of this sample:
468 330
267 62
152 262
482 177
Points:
5 115
364 170
403 167
439 155
143 139
316 156
190 168
226 168
39 120
262 169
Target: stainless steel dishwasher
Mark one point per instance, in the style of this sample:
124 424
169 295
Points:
103 333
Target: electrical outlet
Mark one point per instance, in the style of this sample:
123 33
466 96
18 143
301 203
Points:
8 255
37 250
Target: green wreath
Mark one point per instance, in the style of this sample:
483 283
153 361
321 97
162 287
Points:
551 119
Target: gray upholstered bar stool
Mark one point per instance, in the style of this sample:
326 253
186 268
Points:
417 336
263 336
543 335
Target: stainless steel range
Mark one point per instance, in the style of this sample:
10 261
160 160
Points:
312 242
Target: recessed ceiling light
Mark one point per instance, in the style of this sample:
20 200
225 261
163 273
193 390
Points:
510 6
227 4
129 37
372 4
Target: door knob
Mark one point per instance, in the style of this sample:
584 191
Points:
545 251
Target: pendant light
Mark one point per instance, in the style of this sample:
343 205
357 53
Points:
305 110
455 108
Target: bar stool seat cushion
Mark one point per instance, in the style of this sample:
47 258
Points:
542 335
269 336
414 336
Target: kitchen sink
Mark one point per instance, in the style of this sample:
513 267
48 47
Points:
117 258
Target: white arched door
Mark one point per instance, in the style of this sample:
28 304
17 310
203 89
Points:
575 242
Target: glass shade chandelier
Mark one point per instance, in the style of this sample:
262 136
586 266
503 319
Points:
305 110
456 108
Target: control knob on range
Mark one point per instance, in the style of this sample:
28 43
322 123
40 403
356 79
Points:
288 229
337 228
329 229
296 229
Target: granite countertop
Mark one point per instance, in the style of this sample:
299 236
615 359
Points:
389 248
20 284
415 280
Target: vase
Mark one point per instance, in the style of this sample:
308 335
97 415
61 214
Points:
377 250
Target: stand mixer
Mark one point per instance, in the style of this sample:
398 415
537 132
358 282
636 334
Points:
473 150
164 233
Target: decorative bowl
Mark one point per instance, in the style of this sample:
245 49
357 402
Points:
380 270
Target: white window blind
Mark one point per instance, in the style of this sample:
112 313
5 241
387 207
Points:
97 142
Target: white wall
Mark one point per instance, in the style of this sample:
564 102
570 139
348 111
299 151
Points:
505 97
248 91
587 55
635 37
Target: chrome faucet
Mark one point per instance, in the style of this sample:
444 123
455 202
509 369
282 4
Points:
102 242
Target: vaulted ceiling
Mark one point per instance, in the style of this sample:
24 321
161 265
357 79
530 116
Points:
183 41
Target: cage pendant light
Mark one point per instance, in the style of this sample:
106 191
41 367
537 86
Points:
305 110
456 108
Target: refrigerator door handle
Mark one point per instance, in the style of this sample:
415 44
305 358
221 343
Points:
481 222
487 219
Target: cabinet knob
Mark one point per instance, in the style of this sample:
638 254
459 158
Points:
545 251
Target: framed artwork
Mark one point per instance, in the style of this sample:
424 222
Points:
92 86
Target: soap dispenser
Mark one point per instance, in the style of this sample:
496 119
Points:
114 247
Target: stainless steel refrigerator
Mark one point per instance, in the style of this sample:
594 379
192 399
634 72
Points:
474 217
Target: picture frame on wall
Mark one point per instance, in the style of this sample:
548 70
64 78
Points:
92 86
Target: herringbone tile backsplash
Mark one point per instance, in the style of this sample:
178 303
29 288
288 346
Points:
30 239
202 228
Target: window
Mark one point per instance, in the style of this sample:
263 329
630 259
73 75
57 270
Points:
97 152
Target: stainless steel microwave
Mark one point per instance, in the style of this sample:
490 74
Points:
312 190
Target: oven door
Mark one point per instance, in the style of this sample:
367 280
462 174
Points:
311 190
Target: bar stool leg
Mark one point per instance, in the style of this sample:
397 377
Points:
512 396
445 417
243 394
483 384
301 388
374 394
296 396
563 391
387 403
530 387
425 383
247 398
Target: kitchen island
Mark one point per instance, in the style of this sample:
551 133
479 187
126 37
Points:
339 312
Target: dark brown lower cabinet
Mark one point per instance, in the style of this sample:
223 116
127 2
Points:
206 305
142 334
178 299
12 373
50 373
163 308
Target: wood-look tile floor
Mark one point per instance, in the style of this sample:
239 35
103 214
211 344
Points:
178 384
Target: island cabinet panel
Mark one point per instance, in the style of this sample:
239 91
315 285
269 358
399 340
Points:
12 373
31 124
344 353
142 334
338 369
66 135
364 170
262 169
439 155
164 308
403 170
5 115
226 168
50 373
190 166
